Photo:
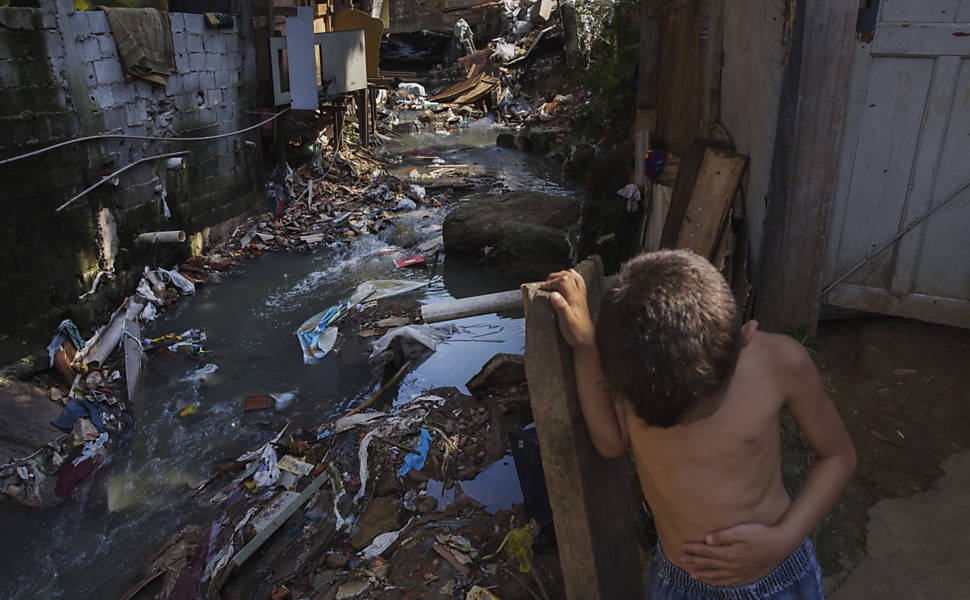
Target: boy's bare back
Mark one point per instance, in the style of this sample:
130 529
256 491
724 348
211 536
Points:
723 469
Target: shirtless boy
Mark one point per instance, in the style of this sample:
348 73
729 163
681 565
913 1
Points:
669 370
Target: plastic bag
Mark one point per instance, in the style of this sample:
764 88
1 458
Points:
428 336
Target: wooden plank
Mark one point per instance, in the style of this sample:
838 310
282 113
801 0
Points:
680 76
806 157
717 182
590 495
660 197
687 172
249 549
649 64
939 39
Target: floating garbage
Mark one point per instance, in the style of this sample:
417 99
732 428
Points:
317 335
413 261
200 374
415 89
191 409
426 335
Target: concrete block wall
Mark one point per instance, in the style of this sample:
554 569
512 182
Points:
61 78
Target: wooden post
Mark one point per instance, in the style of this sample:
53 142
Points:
590 495
805 166
363 121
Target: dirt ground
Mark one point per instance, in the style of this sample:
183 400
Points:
901 387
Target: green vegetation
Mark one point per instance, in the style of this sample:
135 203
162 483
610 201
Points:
612 55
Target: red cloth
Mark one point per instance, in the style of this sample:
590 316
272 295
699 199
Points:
72 474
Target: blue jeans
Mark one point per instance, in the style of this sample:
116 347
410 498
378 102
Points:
798 577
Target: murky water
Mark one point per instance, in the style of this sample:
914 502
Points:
89 551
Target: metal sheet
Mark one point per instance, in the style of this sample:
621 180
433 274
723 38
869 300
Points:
343 59
302 60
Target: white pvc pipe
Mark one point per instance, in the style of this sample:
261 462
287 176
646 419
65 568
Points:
162 237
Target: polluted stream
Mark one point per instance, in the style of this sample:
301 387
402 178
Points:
85 550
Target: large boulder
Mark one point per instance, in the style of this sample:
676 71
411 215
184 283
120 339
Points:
525 230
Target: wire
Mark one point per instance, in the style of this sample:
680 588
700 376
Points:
118 172
889 242
116 136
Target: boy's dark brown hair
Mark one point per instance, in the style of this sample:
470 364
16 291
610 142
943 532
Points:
668 334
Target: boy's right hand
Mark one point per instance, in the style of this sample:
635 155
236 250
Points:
569 299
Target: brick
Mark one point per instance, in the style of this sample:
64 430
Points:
17 18
178 21
108 47
89 50
194 42
207 80
108 71
193 23
98 22
137 113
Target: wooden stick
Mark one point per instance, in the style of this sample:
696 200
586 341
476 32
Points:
377 394
396 445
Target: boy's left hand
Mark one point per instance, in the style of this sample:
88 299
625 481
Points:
735 556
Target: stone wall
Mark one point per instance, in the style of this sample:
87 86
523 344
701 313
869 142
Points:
61 78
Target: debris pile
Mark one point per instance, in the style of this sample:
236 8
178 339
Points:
371 505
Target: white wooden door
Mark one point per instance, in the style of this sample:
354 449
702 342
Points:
905 148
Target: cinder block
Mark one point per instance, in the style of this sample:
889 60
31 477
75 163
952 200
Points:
137 112
178 22
214 42
193 23
102 97
232 42
173 85
193 42
89 50
207 80
196 61
115 118
213 97
54 43
80 25
91 73
190 83
222 78
184 101
15 17
144 89
108 71
214 62
40 128
123 93
64 125
10 74
179 44
108 47
45 18
98 21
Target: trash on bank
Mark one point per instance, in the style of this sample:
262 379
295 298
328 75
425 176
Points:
416 460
